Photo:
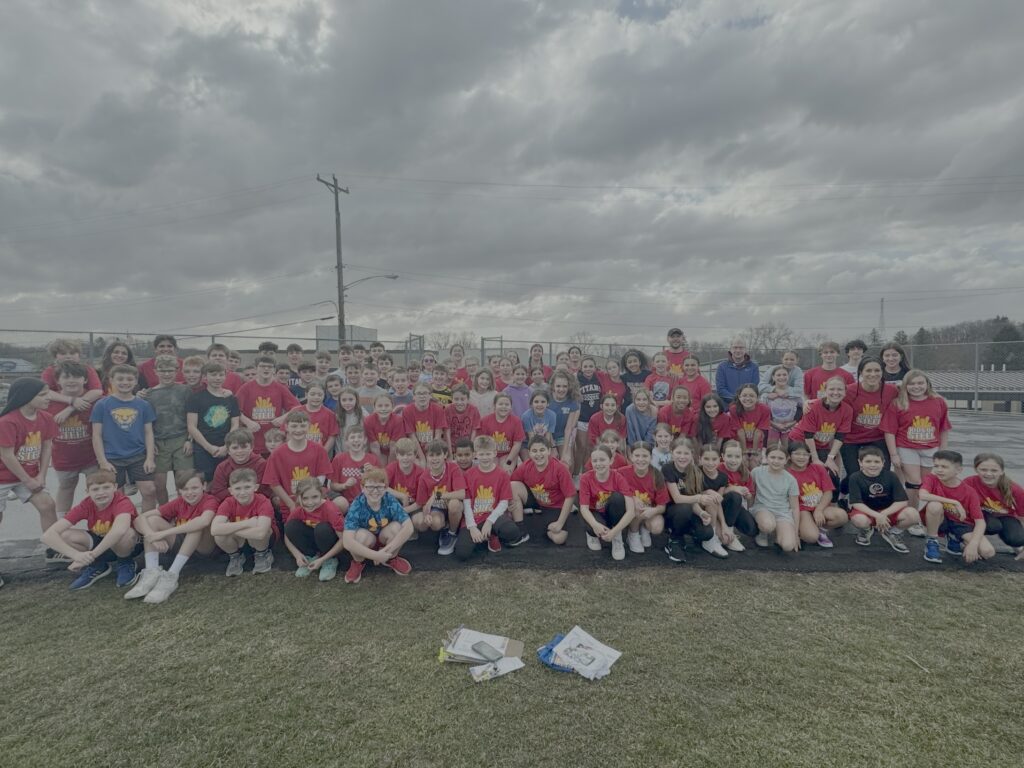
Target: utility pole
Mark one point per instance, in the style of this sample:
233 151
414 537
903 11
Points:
881 319
335 189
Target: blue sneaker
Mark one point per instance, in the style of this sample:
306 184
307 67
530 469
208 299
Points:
954 545
931 551
90 575
127 573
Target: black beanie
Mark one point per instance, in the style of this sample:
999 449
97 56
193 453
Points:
22 392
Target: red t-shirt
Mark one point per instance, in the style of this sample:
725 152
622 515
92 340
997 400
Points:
72 445
597 426
814 381
992 500
486 490
286 467
823 423
97 520
263 404
750 423
400 482
724 426
323 424
27 437
813 481
179 512
675 360
609 387
594 493
500 384
149 379
420 425
736 478
643 489
618 462
233 382
550 486
698 388
920 427
92 380
461 376
660 393
222 474
345 467
463 423
868 410
451 479
384 434
260 506
508 434
684 423
962 493
327 512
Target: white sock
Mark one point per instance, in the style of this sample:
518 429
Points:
153 560
178 564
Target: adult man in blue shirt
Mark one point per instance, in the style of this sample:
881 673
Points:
735 371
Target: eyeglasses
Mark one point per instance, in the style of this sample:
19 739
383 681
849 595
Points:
375 488
428 360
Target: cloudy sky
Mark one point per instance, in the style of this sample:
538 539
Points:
528 169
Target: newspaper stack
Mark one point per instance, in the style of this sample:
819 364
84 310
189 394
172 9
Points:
459 648
583 654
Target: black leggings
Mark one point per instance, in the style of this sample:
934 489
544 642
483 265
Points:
682 519
614 510
1009 529
311 541
736 515
505 528
848 455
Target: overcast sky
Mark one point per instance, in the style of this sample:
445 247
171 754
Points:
528 169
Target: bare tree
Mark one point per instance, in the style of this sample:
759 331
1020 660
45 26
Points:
585 340
443 340
770 337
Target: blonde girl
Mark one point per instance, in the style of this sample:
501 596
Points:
483 392
650 497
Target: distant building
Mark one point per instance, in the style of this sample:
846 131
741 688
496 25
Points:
996 391
16 365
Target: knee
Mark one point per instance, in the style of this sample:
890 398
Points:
835 517
559 537
766 523
860 521
656 524
437 522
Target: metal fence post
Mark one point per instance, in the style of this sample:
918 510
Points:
92 349
483 352
551 353
977 376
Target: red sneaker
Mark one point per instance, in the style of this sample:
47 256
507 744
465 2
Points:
399 565
354 572
493 543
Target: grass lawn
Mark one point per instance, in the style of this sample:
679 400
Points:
736 669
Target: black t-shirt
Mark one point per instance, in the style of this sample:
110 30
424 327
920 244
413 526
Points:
215 414
590 396
674 476
717 484
635 381
876 493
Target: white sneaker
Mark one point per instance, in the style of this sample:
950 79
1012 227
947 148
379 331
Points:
918 530
762 540
593 542
1000 546
147 580
635 543
618 550
645 538
713 546
735 545
163 589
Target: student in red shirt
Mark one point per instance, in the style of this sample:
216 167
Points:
348 467
384 428
650 497
1002 500
26 442
463 416
425 419
606 503
69 350
295 460
73 455
404 474
952 508
313 532
613 441
817 490
108 539
715 424
816 378
824 425
439 496
869 399
246 517
544 484
737 495
536 360
694 381
488 494
660 382
163 344
609 417
507 431
916 425
676 352
679 413
753 420
188 516
264 402
323 422
612 384
219 353
240 456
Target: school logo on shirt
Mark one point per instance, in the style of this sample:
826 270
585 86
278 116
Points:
263 410
216 416
299 473
826 432
602 499
921 430
870 415
993 506
540 494
484 501
125 418
423 432
502 440
31 449
350 472
383 439
875 490
315 434
72 430
810 494
676 369
101 527
951 510
749 430
643 497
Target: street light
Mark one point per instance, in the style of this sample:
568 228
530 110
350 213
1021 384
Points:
339 305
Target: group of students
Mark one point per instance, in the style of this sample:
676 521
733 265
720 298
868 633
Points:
362 458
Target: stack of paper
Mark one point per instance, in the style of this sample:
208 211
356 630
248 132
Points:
583 654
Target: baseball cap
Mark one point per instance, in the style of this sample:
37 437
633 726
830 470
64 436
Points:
675 332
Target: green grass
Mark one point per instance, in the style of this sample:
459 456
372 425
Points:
738 669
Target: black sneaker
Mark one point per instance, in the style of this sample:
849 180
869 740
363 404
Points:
521 540
676 551
55 557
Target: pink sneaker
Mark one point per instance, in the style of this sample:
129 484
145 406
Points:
493 543
399 565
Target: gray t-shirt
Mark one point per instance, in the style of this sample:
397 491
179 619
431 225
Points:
774 491
169 404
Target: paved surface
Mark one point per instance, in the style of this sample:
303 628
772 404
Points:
21 553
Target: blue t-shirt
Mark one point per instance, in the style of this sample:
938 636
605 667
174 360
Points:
360 515
562 410
538 425
124 425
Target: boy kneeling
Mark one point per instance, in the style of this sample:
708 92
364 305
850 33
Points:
108 538
488 495
246 517
313 531
952 507
877 500
189 516
376 527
